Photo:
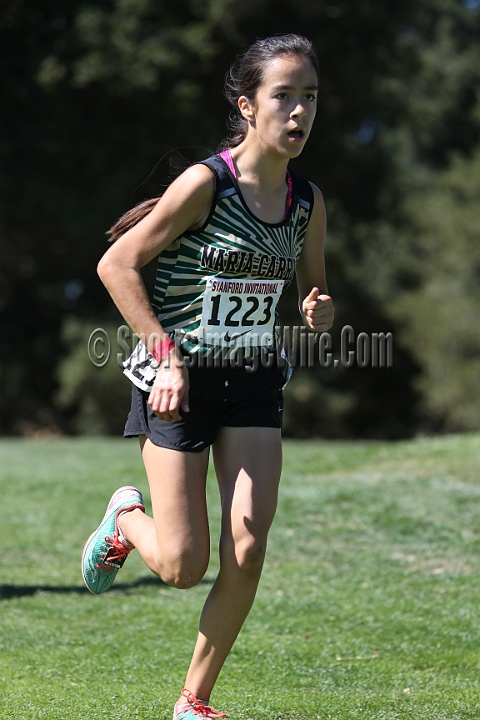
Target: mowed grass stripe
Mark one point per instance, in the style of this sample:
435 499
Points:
368 606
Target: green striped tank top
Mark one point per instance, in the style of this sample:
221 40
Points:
217 287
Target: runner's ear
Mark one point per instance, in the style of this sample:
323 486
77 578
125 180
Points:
246 108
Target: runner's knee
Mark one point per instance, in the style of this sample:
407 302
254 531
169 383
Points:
250 556
246 555
183 572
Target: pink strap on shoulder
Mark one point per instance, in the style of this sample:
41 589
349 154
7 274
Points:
227 156
289 194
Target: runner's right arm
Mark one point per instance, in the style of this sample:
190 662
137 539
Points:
184 206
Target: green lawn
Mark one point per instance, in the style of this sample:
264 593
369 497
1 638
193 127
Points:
368 607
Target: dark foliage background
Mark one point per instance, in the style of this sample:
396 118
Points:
104 102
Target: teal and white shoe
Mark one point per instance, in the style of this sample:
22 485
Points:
105 551
195 709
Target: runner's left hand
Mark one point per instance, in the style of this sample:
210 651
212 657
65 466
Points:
317 311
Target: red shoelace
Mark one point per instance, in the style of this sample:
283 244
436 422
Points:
200 708
115 555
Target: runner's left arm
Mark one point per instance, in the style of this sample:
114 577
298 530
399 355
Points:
314 302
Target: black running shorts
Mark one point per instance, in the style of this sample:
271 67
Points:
226 397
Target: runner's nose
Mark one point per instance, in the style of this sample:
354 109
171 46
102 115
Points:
299 111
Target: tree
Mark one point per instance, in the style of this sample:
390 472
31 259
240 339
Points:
440 315
100 92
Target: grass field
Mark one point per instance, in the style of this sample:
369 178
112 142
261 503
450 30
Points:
368 607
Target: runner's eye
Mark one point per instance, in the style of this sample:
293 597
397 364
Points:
281 96
311 97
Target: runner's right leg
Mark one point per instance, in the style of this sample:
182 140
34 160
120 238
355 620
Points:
175 543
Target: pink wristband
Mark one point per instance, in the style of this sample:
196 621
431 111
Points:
162 348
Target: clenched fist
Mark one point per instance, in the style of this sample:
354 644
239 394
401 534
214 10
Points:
317 311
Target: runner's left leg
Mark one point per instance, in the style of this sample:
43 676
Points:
248 466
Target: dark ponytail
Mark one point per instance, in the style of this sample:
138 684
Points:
131 218
247 73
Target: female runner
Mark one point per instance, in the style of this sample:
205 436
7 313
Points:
228 235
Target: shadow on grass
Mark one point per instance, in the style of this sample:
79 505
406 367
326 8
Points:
7 592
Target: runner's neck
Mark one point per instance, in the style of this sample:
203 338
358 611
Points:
226 155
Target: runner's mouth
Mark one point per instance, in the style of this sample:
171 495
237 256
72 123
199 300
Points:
296 134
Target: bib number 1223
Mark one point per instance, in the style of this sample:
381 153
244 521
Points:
240 312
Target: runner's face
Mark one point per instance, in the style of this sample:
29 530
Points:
285 106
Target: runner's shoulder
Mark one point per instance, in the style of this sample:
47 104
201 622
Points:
197 181
317 193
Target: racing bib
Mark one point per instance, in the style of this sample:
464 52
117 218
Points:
239 313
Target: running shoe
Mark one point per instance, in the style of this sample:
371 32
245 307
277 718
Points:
195 709
105 551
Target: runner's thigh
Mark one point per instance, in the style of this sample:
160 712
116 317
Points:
177 486
248 462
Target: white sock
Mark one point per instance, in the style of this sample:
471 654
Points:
120 533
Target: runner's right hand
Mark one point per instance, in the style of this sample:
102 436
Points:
169 393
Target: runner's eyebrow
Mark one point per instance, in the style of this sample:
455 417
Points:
277 88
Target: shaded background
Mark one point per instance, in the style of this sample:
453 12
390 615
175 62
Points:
105 102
